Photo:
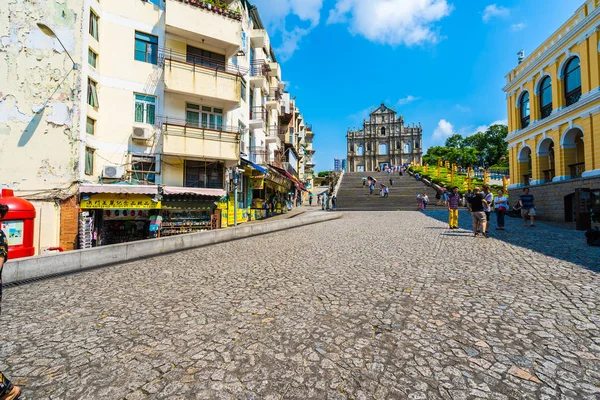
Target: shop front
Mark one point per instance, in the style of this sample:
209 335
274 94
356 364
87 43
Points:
270 194
189 210
111 214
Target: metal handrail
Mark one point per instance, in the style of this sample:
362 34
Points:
195 60
259 68
258 113
184 123
577 169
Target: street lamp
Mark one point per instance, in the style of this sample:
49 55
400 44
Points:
50 33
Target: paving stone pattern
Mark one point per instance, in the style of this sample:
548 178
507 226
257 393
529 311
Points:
377 305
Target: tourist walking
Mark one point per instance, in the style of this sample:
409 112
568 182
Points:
527 203
489 198
501 207
333 202
419 202
425 201
8 391
310 199
476 205
386 191
371 188
453 202
391 182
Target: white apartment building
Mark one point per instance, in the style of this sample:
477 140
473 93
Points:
166 101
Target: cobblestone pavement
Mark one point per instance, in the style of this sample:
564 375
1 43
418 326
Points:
372 306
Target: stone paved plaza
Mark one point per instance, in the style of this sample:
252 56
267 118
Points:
382 305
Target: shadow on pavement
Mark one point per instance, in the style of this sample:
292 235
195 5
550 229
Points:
564 244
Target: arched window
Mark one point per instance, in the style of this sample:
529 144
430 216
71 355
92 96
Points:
524 110
417 144
546 97
369 147
572 81
383 148
383 131
360 151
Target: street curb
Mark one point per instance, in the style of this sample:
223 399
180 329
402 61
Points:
50 265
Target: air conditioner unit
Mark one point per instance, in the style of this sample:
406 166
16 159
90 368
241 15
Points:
113 171
140 133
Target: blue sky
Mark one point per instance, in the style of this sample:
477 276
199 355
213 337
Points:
439 62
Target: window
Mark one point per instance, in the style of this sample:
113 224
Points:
383 148
572 82
204 117
202 174
546 97
92 96
145 109
92 58
417 144
146 47
524 110
243 90
205 58
143 169
383 131
93 24
89 161
90 126
369 147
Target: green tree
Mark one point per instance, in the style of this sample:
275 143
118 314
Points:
456 140
323 174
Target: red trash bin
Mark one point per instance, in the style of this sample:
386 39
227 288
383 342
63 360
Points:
18 225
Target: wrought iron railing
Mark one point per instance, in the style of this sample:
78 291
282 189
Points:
179 126
197 61
548 175
527 178
259 68
577 169
546 111
258 113
258 155
573 96
272 131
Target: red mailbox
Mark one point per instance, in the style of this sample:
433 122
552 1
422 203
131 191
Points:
18 225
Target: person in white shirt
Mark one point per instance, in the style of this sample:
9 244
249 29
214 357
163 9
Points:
501 206
488 196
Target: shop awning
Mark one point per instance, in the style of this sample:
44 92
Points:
292 178
253 165
125 189
167 190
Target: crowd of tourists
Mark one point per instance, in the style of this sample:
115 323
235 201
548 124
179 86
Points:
481 203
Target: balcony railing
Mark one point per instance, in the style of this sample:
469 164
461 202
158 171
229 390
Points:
573 96
577 169
272 131
259 68
548 175
195 127
527 178
258 113
258 155
197 61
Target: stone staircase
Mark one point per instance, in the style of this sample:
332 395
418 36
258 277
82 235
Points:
352 196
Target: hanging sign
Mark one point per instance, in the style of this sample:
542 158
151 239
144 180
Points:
119 201
258 182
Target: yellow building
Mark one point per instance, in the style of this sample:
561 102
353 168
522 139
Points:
553 98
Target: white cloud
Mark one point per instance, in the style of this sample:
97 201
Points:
493 11
517 27
483 128
274 14
443 130
407 99
395 22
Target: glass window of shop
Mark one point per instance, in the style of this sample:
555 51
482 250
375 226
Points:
204 174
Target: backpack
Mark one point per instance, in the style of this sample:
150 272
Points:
593 237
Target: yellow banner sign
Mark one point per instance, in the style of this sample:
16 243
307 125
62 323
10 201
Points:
120 201
258 183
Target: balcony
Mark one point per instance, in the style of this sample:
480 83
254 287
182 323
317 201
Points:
258 116
548 175
259 38
193 19
193 140
577 170
272 135
258 75
209 79
274 70
258 155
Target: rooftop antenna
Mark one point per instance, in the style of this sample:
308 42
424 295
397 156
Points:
521 55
